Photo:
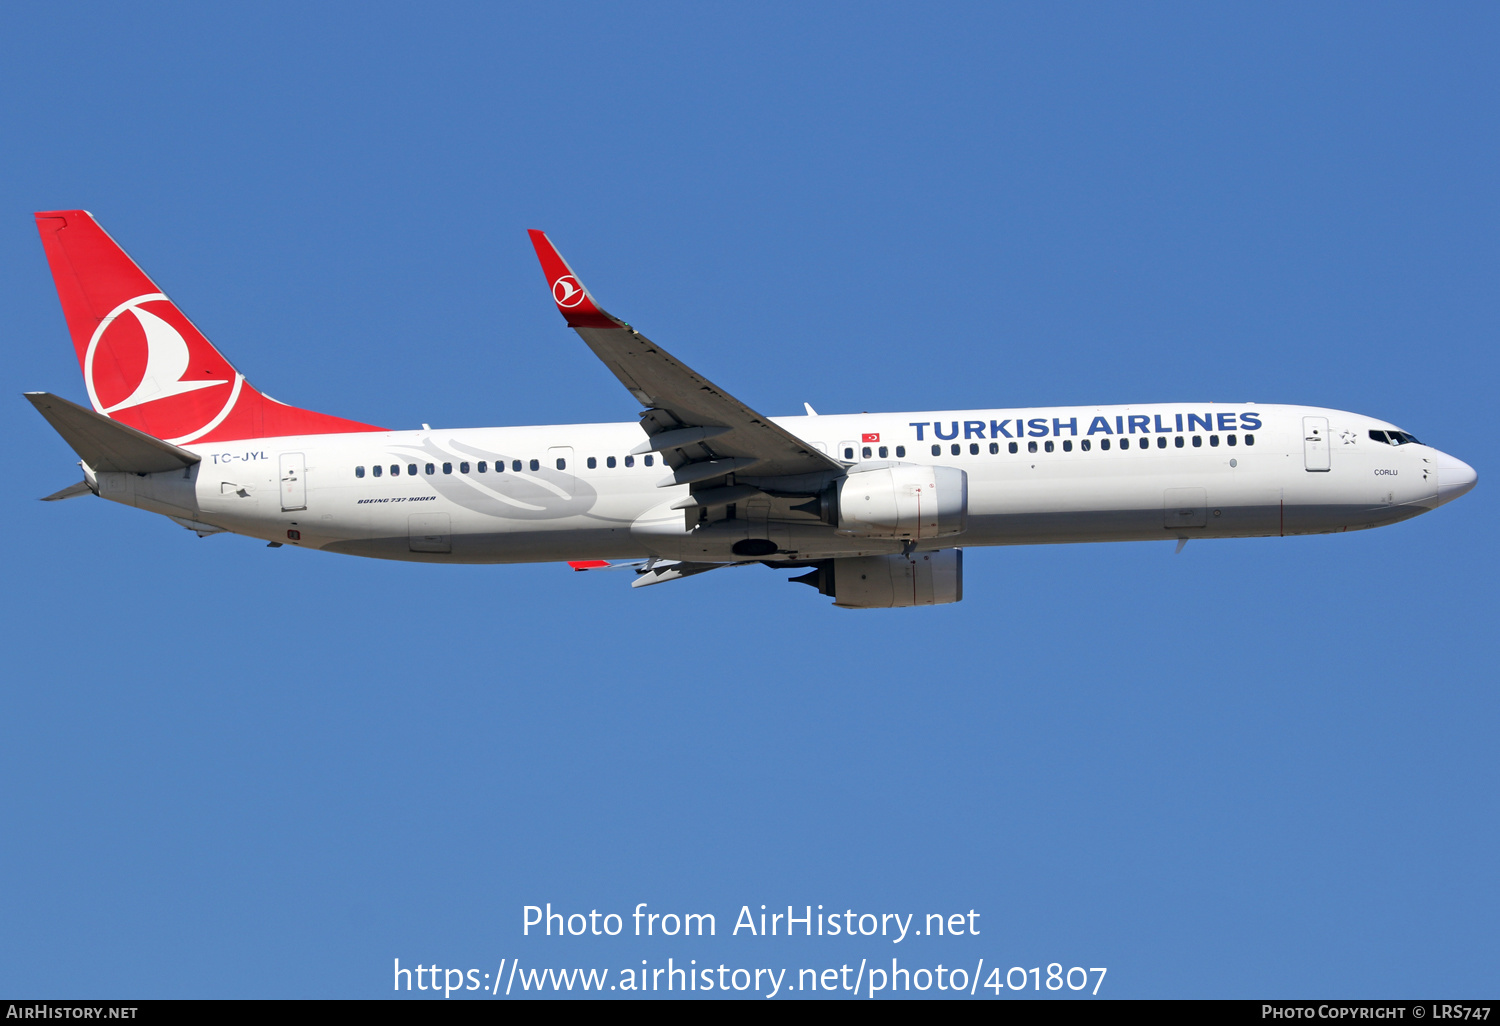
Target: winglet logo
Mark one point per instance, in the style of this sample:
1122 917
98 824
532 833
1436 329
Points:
145 361
568 292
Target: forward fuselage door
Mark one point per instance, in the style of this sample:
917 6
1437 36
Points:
1315 443
293 481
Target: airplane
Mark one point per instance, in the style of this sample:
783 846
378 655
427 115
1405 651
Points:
875 509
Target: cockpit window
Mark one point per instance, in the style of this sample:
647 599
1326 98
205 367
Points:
1377 436
1394 438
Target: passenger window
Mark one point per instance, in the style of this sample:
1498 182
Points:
1104 444
499 466
609 461
447 468
593 463
1249 439
375 470
1031 447
865 452
849 452
1048 445
411 468
514 465
900 452
630 461
1067 445
1085 445
973 448
463 468
884 452
1213 440
431 469
994 448
482 467
956 448
1231 440
359 471
536 464
937 450
1197 441
395 470
1179 441
1161 441
650 460
1013 447
562 464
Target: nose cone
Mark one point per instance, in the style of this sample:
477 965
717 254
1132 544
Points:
1455 477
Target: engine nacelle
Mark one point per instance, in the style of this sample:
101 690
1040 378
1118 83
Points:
885 582
903 501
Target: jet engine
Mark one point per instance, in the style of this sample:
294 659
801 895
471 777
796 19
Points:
885 582
900 501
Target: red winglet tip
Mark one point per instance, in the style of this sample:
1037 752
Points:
573 300
588 564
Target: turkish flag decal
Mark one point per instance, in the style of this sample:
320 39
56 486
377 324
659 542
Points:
870 436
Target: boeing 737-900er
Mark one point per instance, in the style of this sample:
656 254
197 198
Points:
875 508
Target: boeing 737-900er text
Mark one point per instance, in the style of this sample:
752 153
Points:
876 508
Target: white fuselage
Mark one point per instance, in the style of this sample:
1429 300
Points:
1238 471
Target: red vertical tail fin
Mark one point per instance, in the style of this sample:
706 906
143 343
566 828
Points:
144 363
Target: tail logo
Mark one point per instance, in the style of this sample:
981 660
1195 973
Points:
567 291
142 359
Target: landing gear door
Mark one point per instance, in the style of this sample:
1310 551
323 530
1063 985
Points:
293 481
1315 443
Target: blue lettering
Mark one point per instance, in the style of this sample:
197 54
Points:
919 428
997 428
1038 426
1160 428
1071 424
1143 422
1226 422
1100 424
1119 425
937 429
1249 422
1179 422
973 429
1207 421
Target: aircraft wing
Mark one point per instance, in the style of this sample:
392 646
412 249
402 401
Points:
702 432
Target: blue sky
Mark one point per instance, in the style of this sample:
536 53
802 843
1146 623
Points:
1261 767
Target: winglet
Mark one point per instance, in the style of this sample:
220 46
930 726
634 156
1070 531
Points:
588 564
574 301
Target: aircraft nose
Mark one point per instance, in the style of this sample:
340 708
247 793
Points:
1455 477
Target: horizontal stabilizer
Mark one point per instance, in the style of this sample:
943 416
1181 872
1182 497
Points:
70 492
106 445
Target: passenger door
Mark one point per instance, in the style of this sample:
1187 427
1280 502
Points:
293 481
1315 443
